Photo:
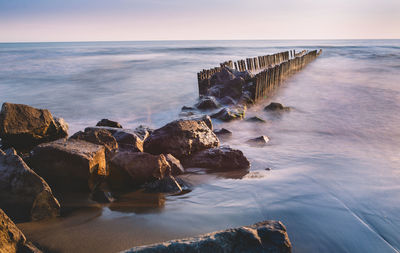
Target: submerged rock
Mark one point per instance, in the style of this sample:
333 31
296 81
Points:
262 237
168 184
276 107
228 114
12 240
176 166
23 194
181 138
68 164
256 119
223 132
227 101
259 141
222 158
207 103
108 123
187 108
22 126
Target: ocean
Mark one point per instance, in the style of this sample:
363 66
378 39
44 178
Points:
334 159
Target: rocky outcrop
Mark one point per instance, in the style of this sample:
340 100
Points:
22 126
181 138
68 164
262 237
222 158
12 240
108 123
259 141
23 194
276 107
97 136
133 169
229 114
207 103
176 166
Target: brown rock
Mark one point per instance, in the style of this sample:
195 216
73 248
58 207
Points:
23 194
22 126
68 164
259 141
181 138
97 136
229 114
108 123
276 107
207 103
205 118
176 166
222 158
167 184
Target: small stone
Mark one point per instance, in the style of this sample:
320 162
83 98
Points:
259 141
256 119
108 123
228 114
276 107
168 184
188 108
223 132
208 103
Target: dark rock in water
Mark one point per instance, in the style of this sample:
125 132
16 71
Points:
181 138
276 107
23 194
188 108
12 240
228 114
223 132
132 169
222 158
259 141
186 114
262 237
256 119
102 194
205 118
176 166
98 136
207 103
68 164
108 123
233 88
246 98
227 101
22 126
168 184
143 131
222 77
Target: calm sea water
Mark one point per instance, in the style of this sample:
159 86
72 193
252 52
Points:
334 159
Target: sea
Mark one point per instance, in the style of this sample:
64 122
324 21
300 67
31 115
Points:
330 172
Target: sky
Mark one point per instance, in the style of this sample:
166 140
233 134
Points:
116 20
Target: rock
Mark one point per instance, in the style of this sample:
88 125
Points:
256 119
68 164
228 114
233 88
22 126
176 166
97 136
246 98
132 169
222 77
227 101
187 108
276 107
143 131
101 193
259 141
207 103
168 184
12 240
108 123
181 138
222 158
205 118
23 194
223 132
262 237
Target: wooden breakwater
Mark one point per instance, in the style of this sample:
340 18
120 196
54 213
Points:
269 70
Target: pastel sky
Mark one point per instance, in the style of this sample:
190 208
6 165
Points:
112 20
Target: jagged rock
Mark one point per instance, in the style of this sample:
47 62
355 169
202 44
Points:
256 119
228 114
168 184
262 237
68 164
132 169
108 123
223 132
12 240
143 131
23 194
205 118
176 166
259 141
22 126
208 103
97 136
222 158
227 101
276 107
181 138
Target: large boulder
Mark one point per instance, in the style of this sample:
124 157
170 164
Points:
168 184
203 117
22 126
222 158
97 136
181 138
229 114
132 169
262 237
12 240
69 164
108 123
23 194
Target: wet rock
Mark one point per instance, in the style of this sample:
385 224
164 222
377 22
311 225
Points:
68 164
143 131
222 77
23 194
227 101
259 141
181 138
256 120
233 88
229 114
22 126
176 166
108 123
222 158
187 108
276 107
207 103
132 169
101 193
246 98
223 132
205 118
97 136
12 240
262 237
167 184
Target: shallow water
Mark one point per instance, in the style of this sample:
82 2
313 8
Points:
334 158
